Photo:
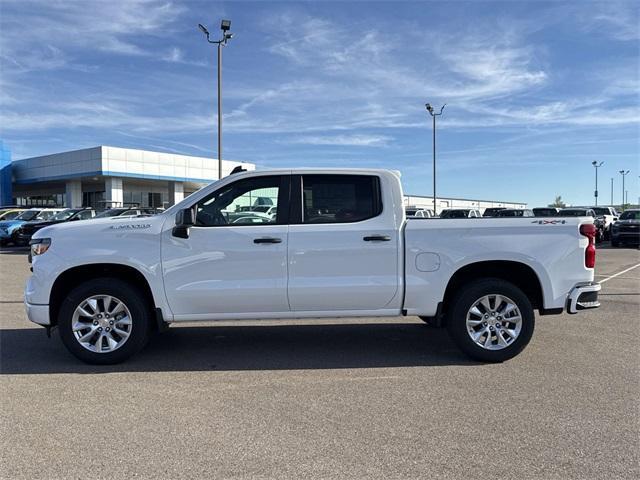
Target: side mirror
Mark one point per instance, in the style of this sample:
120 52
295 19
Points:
184 220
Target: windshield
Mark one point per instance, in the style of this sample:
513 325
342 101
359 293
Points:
63 215
28 215
545 212
261 209
455 214
602 211
574 213
114 212
630 215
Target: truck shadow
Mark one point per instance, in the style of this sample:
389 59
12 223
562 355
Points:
237 348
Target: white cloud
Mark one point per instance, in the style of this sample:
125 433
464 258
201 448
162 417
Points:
343 140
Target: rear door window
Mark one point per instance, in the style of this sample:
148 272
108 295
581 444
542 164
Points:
340 198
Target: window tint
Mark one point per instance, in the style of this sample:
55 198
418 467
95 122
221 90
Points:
241 203
340 198
84 215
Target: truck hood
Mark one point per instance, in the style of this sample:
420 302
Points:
121 224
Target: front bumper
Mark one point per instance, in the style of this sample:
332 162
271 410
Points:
583 297
38 313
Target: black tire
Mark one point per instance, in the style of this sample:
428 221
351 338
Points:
465 299
615 243
126 293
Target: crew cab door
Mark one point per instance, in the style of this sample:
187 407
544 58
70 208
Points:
234 260
343 244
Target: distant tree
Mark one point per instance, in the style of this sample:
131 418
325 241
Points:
558 203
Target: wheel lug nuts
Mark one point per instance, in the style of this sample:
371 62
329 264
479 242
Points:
491 328
99 329
95 322
108 329
486 315
110 322
484 324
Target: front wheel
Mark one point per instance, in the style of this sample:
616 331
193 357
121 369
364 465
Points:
104 321
491 320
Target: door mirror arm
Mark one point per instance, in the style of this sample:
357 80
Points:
184 220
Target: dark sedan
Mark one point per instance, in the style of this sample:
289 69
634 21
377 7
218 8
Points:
24 233
515 212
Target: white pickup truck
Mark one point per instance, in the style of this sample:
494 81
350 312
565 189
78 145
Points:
338 246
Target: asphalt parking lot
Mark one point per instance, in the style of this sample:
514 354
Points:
367 398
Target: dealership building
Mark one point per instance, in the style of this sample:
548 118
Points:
106 176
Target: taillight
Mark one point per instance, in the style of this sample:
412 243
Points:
589 231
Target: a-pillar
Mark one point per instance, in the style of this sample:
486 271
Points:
113 191
73 194
176 192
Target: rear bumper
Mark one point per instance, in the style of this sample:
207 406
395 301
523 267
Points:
38 313
583 297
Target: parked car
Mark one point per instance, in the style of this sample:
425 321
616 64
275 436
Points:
8 227
125 211
585 212
492 211
347 251
417 212
271 212
626 229
460 213
608 215
545 211
10 213
24 232
515 212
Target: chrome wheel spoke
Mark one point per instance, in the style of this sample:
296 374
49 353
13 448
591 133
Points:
85 313
121 333
94 326
87 336
80 325
123 321
113 343
117 309
484 301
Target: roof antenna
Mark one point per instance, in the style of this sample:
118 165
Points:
238 169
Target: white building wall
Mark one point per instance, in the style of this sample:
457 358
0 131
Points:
113 191
73 194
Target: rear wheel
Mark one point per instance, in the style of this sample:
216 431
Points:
104 321
491 320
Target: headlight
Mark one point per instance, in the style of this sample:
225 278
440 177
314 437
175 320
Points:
39 246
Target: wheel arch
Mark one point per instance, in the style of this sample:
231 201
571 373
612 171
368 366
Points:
74 276
520 274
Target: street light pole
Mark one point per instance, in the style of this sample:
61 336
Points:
433 116
611 191
225 25
624 174
597 166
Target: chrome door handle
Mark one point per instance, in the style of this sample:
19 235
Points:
267 240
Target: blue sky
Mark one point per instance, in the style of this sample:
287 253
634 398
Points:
535 91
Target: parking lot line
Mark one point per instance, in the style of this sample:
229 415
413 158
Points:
619 273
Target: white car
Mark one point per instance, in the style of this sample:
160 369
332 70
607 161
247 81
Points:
339 246
609 215
417 212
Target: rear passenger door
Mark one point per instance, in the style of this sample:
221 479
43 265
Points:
343 244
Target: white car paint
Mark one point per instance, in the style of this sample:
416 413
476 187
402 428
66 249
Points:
318 270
